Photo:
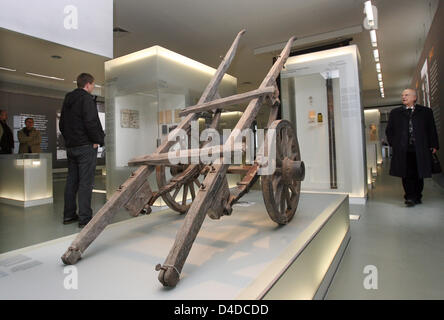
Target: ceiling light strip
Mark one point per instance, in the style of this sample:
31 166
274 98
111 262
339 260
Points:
373 38
376 55
43 76
368 8
7 69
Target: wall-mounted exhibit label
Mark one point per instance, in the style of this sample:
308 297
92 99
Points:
129 118
81 24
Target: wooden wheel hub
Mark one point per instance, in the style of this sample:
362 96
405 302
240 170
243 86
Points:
292 170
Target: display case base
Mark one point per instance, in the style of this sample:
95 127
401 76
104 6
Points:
243 256
27 203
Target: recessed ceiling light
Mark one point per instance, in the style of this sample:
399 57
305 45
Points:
7 69
368 9
378 67
43 76
376 55
373 38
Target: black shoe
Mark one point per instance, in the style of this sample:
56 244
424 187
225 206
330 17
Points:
409 203
70 220
83 224
418 201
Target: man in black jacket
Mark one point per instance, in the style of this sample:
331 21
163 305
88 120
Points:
6 137
412 134
83 133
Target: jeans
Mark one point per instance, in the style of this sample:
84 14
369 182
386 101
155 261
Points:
412 183
81 168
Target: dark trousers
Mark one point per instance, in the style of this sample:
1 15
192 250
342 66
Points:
81 168
412 183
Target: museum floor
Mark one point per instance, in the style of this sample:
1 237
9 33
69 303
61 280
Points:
404 244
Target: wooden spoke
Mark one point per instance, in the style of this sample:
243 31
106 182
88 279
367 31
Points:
193 193
288 197
282 202
184 195
176 192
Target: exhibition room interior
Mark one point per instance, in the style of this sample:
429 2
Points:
329 221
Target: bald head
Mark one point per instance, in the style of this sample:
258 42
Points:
409 97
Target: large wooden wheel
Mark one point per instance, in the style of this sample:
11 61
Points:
281 189
178 198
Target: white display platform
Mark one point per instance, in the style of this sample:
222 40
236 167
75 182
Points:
26 179
243 256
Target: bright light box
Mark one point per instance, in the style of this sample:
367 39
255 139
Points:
327 82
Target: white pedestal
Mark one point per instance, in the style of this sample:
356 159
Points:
243 256
26 179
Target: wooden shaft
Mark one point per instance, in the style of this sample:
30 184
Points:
195 217
102 218
220 103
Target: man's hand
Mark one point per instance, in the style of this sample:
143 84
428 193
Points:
95 145
433 150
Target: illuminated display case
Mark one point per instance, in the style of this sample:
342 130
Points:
321 96
144 93
26 179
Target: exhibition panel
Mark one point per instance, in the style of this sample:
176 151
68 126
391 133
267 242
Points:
145 91
245 256
321 95
26 179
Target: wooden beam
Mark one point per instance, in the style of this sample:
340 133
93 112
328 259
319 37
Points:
238 169
182 156
229 101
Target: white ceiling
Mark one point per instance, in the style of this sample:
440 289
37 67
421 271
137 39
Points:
204 29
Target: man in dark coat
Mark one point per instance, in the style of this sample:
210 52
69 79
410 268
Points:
411 132
83 133
6 137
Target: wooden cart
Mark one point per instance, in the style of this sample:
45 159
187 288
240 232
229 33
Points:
212 196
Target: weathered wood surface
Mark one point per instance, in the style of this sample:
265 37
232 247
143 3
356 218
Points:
137 203
102 218
123 195
170 271
229 101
